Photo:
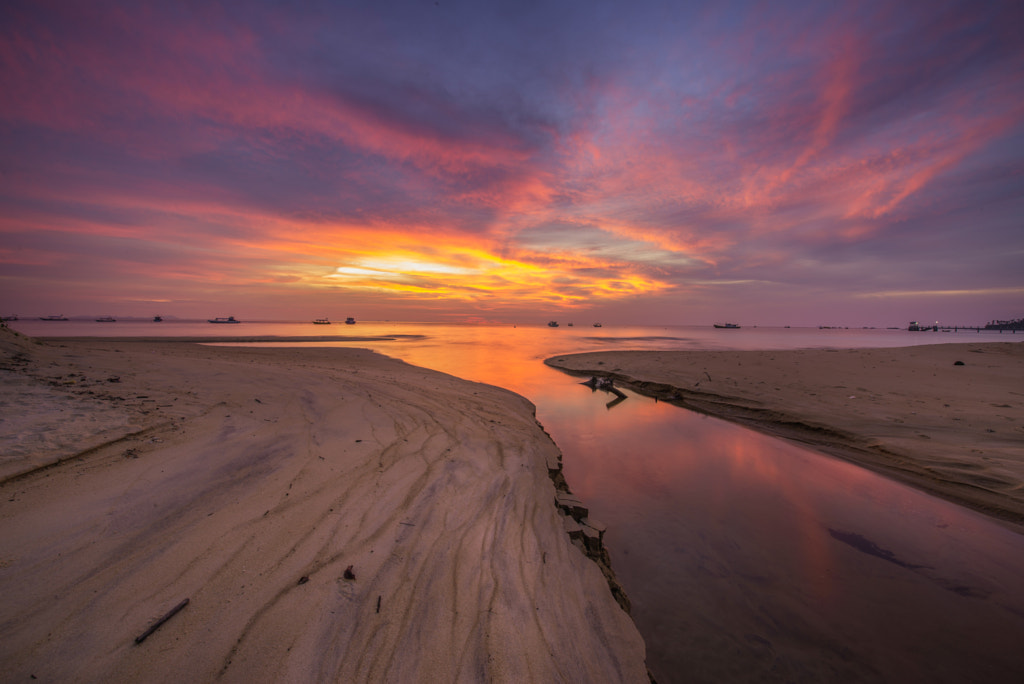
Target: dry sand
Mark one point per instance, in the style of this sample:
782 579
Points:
911 413
331 515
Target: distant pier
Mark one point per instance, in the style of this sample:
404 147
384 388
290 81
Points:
1011 326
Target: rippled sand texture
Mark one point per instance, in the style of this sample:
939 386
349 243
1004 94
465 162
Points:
331 515
946 418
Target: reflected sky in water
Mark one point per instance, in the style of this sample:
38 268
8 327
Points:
750 559
746 558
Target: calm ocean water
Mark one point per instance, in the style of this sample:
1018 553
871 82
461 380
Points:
746 558
473 351
691 337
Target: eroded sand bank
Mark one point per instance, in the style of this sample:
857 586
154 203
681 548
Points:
331 515
947 418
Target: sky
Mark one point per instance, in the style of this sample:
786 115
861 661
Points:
765 163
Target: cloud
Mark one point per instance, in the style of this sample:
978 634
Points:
540 152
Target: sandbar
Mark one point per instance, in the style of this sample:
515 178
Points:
945 418
329 515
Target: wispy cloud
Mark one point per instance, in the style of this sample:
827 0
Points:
511 156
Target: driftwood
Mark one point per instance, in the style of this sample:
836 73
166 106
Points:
606 384
159 623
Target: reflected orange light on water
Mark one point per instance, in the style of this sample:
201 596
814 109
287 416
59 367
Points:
746 457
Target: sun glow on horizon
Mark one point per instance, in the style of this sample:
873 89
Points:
475 274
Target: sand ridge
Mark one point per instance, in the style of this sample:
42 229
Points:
331 515
946 418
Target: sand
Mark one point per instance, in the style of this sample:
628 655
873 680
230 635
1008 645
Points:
330 515
947 418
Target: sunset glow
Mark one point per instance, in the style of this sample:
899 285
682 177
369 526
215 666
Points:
676 162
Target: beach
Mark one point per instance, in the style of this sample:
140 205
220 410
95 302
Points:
179 512
332 514
945 418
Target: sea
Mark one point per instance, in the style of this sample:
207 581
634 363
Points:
746 558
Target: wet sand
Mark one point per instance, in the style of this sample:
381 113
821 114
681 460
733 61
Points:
947 419
330 515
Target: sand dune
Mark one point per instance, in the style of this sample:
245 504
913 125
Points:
948 418
331 515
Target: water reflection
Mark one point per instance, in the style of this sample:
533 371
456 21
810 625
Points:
747 558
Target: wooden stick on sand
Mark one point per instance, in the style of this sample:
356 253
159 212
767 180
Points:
159 623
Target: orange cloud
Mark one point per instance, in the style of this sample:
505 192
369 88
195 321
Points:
471 272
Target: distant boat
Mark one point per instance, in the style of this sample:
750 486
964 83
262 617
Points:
730 326
350 321
570 325
597 325
106 319
12 317
552 324
321 321
157 319
229 319
53 318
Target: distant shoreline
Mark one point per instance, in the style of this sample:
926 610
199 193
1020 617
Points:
241 339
